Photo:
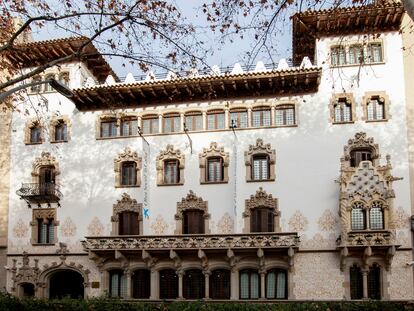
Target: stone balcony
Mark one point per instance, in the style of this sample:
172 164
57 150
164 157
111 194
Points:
369 238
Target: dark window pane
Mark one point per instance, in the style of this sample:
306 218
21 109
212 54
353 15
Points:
128 223
193 284
168 284
374 282
36 134
129 174
215 169
359 155
356 282
193 222
61 132
220 284
141 284
261 220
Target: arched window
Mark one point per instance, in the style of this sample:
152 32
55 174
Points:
355 281
168 284
249 284
117 283
128 223
129 126
285 115
358 219
338 56
171 172
261 220
375 109
261 117
260 167
48 87
220 284
376 216
193 222
141 284
374 282
356 54
359 155
276 284
128 174
238 118
215 169
193 284
36 134
194 121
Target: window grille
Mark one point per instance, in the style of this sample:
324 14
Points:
375 53
356 286
376 216
338 56
285 115
357 216
261 117
260 168
356 54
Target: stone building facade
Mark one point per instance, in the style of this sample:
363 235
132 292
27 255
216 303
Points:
238 185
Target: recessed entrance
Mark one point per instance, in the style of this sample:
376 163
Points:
66 283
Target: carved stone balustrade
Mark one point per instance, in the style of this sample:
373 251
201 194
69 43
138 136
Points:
369 238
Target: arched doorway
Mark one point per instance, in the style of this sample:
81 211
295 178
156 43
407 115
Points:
66 283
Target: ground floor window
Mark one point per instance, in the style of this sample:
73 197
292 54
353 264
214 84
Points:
276 284
117 283
374 282
193 284
141 284
168 284
220 284
249 284
356 280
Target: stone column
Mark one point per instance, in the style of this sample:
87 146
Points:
226 119
155 293
234 284
207 284
364 283
160 124
180 284
262 285
182 121
249 117
128 275
272 116
204 120
139 121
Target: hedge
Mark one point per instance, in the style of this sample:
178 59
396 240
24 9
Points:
8 302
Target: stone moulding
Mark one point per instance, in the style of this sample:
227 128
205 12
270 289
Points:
370 238
191 242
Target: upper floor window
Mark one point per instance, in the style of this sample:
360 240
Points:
127 166
342 109
64 78
193 222
150 125
249 284
261 117
276 284
129 126
238 118
215 120
260 162
44 226
141 284
375 215
338 57
285 115
61 131
359 155
46 234
36 134
375 109
170 167
356 54
128 223
262 220
215 169
172 123
260 167
171 172
109 128
48 87
358 220
194 121
117 283
214 162
375 52
192 215
127 216
38 87
261 213
128 174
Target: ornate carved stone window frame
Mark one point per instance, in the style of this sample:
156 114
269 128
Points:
34 122
126 204
52 128
170 154
383 98
366 209
259 200
191 202
127 155
43 213
260 149
45 159
349 99
360 141
214 151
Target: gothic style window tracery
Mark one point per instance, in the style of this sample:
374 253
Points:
192 215
260 162
170 167
127 167
44 226
127 217
214 163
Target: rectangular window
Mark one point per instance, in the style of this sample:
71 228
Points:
215 120
375 53
238 119
171 172
342 111
36 134
338 56
61 133
261 220
129 126
46 231
128 223
215 169
261 117
150 125
193 222
375 110
129 174
260 169
194 121
356 54
172 124
285 115
118 284
108 128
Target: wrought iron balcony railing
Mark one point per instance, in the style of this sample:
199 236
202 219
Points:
192 241
40 193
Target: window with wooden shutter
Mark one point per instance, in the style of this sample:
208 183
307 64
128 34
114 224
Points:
276 284
141 284
261 220
128 223
355 282
129 126
215 169
193 222
193 284
194 121
359 155
171 172
261 117
220 284
260 167
168 284
128 174
249 284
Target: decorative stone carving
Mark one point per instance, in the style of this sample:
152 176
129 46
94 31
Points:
213 152
32 123
347 98
95 228
383 98
159 226
261 200
126 204
401 218
20 229
46 159
360 141
127 156
328 221
68 228
256 150
25 274
191 202
45 214
225 225
298 222
170 154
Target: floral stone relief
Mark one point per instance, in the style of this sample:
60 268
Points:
225 224
298 222
159 226
401 218
20 229
95 227
328 221
68 228
401 275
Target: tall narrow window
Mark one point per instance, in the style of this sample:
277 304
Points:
46 180
220 284
108 128
376 216
261 220
172 123
141 284
238 118
374 282
61 131
193 222
48 87
356 54
359 155
38 87
150 125
249 284
36 134
375 109
46 231
193 284
358 221
171 172
342 110
168 284
128 223
194 121
117 283
215 169
276 284
64 78
338 56
128 174
285 115
261 117
215 120
129 126
375 53
260 168
356 285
